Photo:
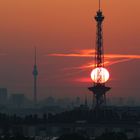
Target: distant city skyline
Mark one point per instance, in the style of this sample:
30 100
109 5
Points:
67 27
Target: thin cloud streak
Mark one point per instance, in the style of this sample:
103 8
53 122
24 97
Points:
76 53
119 61
91 65
122 56
90 53
110 59
83 80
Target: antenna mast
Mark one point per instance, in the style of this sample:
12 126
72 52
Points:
35 55
35 74
99 5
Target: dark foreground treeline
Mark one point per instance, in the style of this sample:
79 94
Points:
106 136
72 116
16 138
75 136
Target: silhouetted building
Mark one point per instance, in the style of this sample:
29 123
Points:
77 101
3 96
17 100
50 101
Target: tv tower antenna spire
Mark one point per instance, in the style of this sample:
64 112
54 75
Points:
99 5
35 74
99 75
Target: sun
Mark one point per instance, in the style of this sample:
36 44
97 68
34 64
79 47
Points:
100 75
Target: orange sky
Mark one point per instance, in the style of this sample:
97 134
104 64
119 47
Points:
61 26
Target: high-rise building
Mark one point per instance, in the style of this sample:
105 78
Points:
3 96
17 100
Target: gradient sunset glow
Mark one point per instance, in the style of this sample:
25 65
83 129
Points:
66 28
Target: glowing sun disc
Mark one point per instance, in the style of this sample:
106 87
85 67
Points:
100 75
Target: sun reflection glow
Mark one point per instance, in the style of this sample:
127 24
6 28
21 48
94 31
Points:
100 75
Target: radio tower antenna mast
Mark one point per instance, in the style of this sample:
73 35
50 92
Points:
99 89
99 5
35 74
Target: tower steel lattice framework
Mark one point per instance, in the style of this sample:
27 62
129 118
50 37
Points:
99 89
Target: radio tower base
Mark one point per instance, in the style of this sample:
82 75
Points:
99 91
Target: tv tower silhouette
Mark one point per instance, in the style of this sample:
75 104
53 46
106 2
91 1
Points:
35 74
99 89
